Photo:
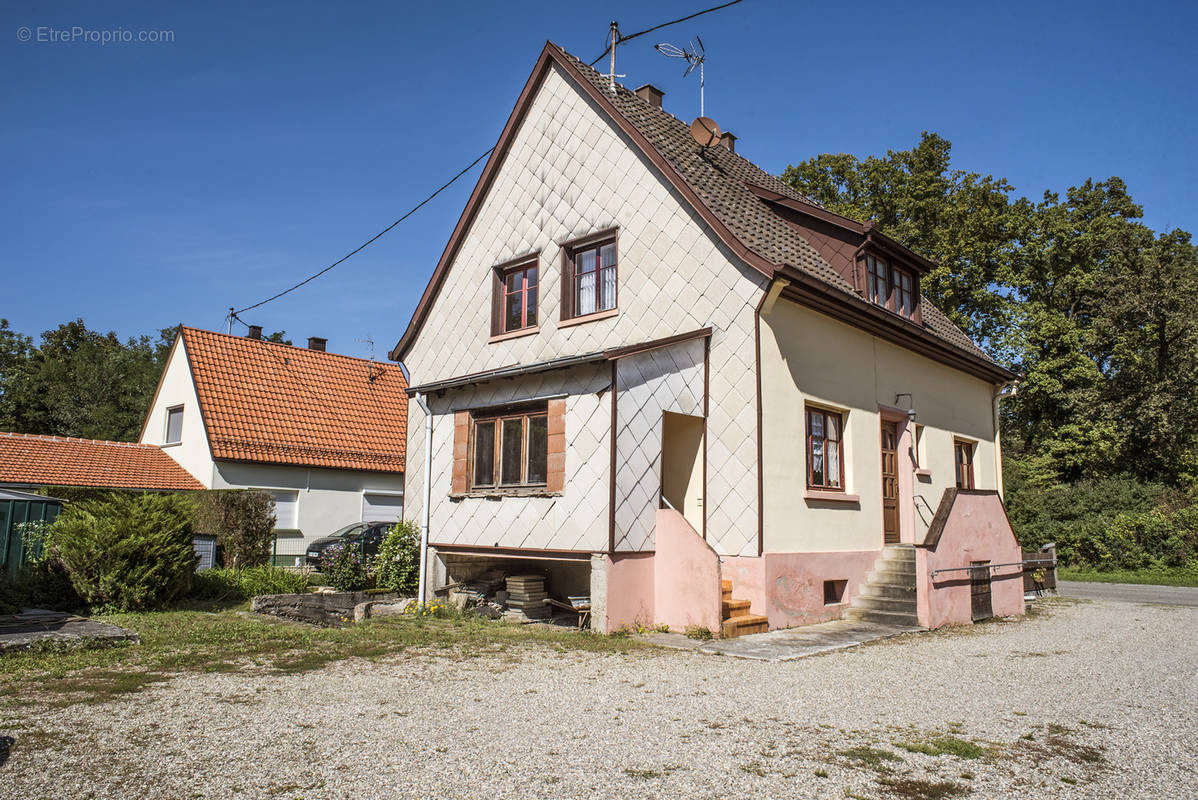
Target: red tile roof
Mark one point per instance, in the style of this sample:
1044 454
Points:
61 461
274 403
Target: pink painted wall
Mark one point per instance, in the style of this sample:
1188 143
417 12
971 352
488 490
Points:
789 587
977 529
629 590
686 580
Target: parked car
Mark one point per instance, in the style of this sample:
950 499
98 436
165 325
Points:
367 535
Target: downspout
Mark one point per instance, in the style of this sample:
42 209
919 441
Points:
428 492
1008 389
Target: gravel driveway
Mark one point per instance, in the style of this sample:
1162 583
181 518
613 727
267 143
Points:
1083 700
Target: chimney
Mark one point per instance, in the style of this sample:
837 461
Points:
255 332
316 343
651 94
728 139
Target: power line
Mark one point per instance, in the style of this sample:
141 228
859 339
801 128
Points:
368 242
622 38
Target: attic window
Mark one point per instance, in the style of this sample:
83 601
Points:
891 286
590 284
174 425
514 301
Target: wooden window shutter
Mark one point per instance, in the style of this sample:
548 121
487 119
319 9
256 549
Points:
461 452
555 473
496 303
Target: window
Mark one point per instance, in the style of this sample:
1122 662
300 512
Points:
825 450
516 298
964 464
590 279
174 425
510 449
286 504
890 286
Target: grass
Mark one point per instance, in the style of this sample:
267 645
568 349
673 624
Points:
947 745
870 757
917 789
1179 576
224 640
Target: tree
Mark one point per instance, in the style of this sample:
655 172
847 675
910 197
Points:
79 382
963 220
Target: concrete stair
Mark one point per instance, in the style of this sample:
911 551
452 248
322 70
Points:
888 595
737 621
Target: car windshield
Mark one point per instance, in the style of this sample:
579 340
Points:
348 530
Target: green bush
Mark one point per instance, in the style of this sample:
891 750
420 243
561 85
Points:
242 584
397 565
128 553
243 522
342 565
45 584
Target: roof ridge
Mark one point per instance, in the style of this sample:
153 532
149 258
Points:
206 332
46 437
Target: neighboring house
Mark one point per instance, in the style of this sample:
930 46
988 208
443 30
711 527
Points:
653 368
323 433
36 462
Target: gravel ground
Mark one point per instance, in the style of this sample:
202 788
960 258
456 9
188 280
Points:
1107 694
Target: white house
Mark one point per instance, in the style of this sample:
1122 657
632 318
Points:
661 376
324 433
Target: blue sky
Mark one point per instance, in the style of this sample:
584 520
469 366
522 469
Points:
148 184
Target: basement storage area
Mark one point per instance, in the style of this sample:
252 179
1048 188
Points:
512 585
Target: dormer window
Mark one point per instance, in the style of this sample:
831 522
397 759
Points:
890 286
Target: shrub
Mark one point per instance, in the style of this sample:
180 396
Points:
130 553
342 565
397 565
242 584
243 522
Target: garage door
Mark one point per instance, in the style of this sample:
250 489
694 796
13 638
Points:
382 507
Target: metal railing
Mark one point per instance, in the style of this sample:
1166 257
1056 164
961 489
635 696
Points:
1021 564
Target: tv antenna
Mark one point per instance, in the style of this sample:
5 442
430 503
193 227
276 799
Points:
695 56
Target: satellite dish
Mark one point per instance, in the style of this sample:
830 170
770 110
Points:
705 131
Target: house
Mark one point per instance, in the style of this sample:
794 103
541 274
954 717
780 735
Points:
660 376
323 433
36 462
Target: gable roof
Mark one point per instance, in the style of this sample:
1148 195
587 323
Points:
30 460
273 403
719 185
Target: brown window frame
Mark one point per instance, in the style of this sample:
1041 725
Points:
889 278
499 295
571 251
497 418
810 412
963 469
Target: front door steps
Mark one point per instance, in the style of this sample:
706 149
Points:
737 621
888 596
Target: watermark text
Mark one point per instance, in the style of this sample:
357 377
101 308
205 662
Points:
77 34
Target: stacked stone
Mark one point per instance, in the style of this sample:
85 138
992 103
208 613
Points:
526 595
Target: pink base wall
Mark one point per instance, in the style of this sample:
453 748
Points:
686 575
789 587
977 529
629 591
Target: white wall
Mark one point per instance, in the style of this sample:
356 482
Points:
328 499
177 389
570 172
809 357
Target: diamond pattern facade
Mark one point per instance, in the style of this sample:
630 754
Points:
570 172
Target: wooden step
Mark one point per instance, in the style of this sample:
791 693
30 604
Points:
744 625
734 608
726 589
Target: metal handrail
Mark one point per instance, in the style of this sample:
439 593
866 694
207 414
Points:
1023 563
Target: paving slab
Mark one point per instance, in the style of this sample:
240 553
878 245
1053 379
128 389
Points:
20 631
790 643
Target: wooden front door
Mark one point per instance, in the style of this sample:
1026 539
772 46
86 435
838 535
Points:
890 516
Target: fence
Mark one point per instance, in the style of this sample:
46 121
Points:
1040 570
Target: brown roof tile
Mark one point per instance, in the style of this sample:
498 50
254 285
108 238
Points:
60 461
719 175
274 403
